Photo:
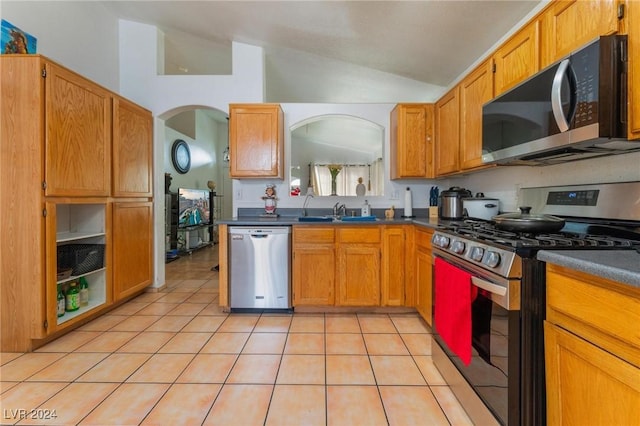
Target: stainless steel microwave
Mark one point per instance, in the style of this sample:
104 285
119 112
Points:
575 108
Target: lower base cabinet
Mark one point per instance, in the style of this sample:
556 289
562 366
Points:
592 350
313 266
394 269
358 275
587 385
132 247
337 265
424 274
358 268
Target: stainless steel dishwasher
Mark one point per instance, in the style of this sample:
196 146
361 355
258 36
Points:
260 268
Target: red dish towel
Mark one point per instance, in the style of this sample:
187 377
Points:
454 295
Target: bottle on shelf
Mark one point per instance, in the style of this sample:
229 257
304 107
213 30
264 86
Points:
61 302
72 298
84 291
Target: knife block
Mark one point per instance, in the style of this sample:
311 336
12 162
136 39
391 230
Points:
433 211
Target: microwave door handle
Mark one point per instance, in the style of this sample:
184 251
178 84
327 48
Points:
556 97
490 287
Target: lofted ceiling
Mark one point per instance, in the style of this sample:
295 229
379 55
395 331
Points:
334 51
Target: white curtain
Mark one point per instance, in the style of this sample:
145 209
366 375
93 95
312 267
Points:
347 180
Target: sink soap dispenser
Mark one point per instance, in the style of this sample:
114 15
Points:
366 209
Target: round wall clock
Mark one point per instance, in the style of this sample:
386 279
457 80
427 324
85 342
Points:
181 156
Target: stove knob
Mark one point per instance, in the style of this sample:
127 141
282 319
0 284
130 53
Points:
476 254
492 259
440 241
457 247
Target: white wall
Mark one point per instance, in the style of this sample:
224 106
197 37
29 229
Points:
140 59
204 157
80 35
504 182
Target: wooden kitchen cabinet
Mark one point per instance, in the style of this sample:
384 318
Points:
358 266
475 90
569 25
393 265
633 24
132 150
56 134
132 247
518 58
412 141
313 265
447 133
592 349
78 131
424 273
256 141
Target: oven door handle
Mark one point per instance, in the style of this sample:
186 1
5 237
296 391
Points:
490 287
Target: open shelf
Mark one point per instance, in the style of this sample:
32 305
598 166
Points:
82 223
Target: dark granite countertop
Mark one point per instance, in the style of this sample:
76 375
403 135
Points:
252 217
289 220
618 265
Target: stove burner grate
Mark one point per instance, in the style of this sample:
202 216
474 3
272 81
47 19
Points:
487 232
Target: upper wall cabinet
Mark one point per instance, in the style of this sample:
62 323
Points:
447 131
256 141
475 90
518 58
132 150
568 25
412 141
77 133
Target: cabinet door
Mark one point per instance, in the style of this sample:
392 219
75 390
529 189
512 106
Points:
633 17
132 150
78 135
393 266
424 281
447 143
475 90
132 247
568 25
256 140
313 275
411 141
358 275
517 59
587 385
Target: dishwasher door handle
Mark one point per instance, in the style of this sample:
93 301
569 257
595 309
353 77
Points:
259 236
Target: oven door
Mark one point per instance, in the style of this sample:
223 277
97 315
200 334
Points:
494 370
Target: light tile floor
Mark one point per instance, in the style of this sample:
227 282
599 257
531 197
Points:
173 357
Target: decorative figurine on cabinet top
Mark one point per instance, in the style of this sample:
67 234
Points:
270 201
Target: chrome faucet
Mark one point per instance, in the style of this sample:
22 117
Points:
339 209
304 205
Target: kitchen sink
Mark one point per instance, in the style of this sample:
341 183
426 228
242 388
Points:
359 218
315 219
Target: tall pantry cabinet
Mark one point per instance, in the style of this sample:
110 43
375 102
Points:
58 206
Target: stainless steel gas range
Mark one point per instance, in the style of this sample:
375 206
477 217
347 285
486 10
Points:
489 292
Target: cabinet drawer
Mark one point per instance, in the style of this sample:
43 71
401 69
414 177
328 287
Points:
423 238
360 234
313 235
602 311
